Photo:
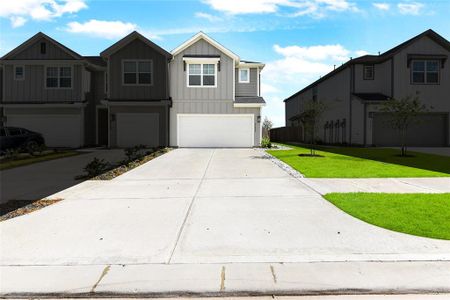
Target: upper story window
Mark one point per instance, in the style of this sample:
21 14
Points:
137 72
244 75
43 48
425 72
201 75
369 72
58 77
19 72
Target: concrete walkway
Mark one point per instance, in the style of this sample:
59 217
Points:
208 221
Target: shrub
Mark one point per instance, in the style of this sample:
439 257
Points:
96 167
266 143
134 153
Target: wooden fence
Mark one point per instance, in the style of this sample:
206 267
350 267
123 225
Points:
286 134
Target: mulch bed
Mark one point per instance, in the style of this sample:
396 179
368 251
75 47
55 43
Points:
15 208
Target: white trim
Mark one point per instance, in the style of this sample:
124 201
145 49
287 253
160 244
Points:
201 75
58 77
14 72
137 61
251 65
257 82
199 60
248 75
205 37
234 81
249 104
215 115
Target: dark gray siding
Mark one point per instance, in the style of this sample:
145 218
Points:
247 89
32 88
34 52
138 50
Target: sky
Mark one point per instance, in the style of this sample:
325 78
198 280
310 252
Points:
298 40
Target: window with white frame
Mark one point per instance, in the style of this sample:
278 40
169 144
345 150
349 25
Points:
19 72
425 72
244 75
201 75
137 72
58 77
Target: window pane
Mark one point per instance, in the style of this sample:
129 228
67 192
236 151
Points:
194 79
65 82
208 80
368 72
52 82
432 66
145 78
64 72
52 72
208 69
195 69
129 78
14 131
418 77
129 66
244 75
19 72
418 66
432 77
145 66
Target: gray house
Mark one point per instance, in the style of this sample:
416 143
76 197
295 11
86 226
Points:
354 92
216 96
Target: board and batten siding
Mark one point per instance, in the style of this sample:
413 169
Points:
247 89
52 52
32 88
138 50
178 82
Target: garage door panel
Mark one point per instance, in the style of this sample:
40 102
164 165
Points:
215 130
63 130
137 129
429 131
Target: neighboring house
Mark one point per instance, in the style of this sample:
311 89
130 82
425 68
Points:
216 96
134 93
137 95
354 92
46 87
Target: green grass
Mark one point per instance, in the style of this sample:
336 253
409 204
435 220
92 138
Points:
426 215
350 162
28 160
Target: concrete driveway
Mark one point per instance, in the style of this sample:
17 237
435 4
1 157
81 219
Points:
198 206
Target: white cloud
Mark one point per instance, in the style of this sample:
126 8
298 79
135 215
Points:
382 6
104 29
295 7
361 53
19 11
208 17
410 8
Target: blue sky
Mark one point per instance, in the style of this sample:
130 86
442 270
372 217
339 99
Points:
299 40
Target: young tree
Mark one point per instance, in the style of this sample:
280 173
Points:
266 126
403 113
310 119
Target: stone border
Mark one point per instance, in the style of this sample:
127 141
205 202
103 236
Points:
284 166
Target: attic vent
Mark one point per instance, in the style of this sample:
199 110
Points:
43 48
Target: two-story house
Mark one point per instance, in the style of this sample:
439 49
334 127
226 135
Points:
135 92
216 96
354 92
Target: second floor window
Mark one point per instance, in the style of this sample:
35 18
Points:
368 72
58 77
425 72
201 75
139 72
19 73
244 75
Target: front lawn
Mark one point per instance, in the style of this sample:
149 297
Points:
350 162
24 159
426 215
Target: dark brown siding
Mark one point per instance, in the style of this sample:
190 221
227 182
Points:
34 52
138 50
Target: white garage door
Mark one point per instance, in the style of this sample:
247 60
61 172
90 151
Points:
137 129
62 130
215 130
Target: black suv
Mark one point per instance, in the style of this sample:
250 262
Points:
16 137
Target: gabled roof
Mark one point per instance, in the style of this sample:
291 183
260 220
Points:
128 39
34 39
376 59
95 60
199 36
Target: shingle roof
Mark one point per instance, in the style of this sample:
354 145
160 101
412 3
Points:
371 96
249 100
95 60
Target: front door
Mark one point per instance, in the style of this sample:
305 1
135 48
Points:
102 126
